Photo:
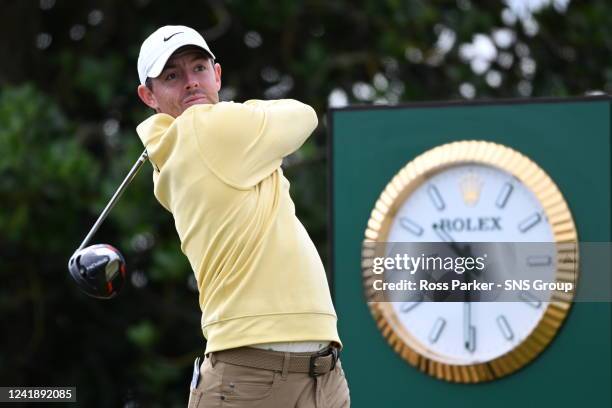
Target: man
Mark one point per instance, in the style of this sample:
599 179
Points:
266 308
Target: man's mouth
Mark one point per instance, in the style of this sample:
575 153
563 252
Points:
198 98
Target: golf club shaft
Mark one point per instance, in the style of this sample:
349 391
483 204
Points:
130 176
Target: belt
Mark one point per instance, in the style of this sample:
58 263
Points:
315 364
293 346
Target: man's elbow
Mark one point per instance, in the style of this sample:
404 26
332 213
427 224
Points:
311 118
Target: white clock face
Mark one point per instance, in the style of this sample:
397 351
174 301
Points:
475 203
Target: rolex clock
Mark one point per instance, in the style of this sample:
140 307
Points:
473 191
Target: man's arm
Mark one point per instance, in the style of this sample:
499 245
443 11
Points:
245 142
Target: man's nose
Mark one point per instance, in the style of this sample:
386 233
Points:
191 82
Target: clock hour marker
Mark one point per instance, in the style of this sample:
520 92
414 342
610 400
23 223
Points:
539 260
408 306
436 330
530 299
503 196
504 326
436 198
529 222
411 226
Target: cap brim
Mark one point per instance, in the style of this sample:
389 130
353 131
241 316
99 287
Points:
160 63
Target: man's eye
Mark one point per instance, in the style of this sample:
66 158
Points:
200 67
170 76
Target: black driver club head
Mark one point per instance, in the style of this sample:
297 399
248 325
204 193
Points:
99 270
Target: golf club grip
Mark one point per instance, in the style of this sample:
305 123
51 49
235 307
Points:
130 176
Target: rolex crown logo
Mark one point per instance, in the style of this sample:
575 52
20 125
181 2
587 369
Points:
470 186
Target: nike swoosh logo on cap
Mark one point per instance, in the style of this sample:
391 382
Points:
169 37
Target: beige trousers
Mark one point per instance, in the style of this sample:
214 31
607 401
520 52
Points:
228 385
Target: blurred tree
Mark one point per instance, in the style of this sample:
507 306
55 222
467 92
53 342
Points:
68 110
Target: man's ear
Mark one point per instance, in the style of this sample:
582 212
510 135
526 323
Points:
217 68
146 95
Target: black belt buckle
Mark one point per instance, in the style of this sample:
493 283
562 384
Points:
323 353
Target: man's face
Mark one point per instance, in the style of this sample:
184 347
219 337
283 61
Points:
189 78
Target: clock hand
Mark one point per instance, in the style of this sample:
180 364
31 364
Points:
446 237
469 331
465 251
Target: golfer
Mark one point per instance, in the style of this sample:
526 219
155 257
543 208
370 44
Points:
267 312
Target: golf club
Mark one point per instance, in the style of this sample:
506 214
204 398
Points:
99 270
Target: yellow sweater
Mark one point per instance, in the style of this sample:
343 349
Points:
259 275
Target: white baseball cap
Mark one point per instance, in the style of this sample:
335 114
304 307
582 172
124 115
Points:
160 45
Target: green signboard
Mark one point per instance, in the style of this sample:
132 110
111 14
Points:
570 139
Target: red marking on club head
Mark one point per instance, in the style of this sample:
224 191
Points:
109 287
112 248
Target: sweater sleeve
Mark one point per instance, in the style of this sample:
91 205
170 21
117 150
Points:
243 143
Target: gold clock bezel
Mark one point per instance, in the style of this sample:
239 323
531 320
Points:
411 176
